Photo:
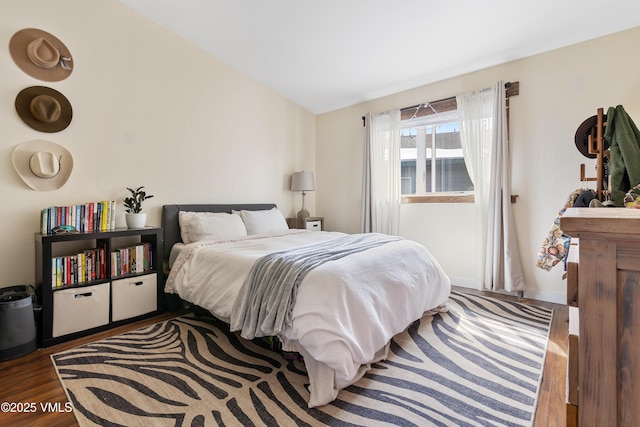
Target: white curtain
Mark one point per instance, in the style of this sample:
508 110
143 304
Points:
483 135
381 180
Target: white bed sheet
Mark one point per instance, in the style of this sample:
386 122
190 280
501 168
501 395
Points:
346 310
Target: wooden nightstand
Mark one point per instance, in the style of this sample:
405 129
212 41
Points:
313 223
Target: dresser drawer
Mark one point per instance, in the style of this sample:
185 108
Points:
315 225
572 356
573 261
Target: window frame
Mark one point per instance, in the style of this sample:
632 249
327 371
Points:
446 116
434 107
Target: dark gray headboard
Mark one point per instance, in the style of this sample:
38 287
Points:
171 226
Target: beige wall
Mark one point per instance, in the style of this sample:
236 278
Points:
558 90
149 109
153 110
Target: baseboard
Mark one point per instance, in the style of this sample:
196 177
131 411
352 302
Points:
536 295
547 296
464 282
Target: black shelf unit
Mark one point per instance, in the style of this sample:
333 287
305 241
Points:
48 246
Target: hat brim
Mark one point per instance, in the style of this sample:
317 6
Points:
23 102
582 136
18 49
22 154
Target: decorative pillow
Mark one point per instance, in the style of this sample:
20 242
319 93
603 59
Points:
264 221
196 226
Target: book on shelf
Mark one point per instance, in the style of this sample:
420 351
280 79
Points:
84 266
132 259
91 264
87 217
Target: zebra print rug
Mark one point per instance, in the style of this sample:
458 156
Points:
478 364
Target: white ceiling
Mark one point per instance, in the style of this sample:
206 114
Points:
329 54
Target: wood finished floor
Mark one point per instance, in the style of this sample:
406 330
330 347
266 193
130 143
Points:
32 378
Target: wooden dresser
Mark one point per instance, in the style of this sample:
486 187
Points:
604 285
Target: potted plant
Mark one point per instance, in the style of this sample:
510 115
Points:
133 207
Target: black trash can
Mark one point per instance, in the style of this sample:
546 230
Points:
17 322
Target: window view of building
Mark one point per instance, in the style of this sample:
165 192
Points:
432 159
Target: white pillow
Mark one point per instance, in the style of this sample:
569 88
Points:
264 221
184 218
195 226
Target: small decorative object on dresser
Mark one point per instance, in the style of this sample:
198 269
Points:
133 206
313 223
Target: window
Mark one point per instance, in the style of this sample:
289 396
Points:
431 156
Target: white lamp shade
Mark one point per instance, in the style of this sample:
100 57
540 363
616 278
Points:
302 181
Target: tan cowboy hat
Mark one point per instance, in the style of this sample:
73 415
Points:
42 165
41 55
44 109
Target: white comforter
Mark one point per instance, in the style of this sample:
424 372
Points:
346 311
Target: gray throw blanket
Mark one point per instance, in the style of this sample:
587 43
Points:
267 297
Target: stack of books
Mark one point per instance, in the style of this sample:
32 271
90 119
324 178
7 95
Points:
88 217
131 260
85 266
91 264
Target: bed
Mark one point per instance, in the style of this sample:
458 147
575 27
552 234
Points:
336 299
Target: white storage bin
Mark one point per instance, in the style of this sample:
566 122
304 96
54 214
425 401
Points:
134 296
315 225
79 309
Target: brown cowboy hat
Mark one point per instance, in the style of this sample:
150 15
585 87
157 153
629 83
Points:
582 136
42 165
41 55
44 109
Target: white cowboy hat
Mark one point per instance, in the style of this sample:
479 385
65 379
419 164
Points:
42 165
